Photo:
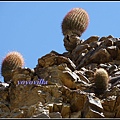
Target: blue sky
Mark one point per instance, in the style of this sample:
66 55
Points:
34 28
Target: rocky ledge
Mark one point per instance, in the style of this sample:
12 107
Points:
63 85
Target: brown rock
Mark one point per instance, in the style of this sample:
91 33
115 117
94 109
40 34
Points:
19 95
100 56
65 112
117 43
85 59
89 73
4 110
61 75
109 114
55 115
110 36
94 44
113 51
52 59
93 114
41 115
109 103
80 48
117 107
76 97
76 114
107 42
67 55
82 77
91 39
118 55
4 92
68 79
91 66
50 106
116 61
22 74
118 112
30 111
17 113
106 37
78 58
71 41
117 73
92 108
68 91
57 107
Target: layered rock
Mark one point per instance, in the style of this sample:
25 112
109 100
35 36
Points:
63 86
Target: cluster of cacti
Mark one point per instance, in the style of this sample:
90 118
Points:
101 79
73 25
12 61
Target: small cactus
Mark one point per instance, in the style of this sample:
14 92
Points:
75 22
101 79
12 61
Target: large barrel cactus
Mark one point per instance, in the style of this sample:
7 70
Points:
73 25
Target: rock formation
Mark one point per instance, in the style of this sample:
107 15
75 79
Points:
63 86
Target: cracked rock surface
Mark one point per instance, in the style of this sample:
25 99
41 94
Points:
62 85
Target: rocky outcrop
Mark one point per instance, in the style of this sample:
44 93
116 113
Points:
63 86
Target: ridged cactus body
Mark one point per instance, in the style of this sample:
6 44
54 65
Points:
76 21
73 25
12 61
101 79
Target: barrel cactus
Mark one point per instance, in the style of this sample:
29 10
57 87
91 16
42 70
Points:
101 79
73 25
12 61
75 21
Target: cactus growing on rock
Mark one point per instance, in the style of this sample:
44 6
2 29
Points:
75 22
101 79
12 61
73 25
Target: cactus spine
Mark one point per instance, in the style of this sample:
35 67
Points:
73 25
12 61
101 79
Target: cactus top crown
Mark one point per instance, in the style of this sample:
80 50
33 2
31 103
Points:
75 22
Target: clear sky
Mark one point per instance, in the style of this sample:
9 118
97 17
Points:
34 28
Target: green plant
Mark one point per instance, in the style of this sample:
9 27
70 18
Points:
101 79
12 61
75 22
